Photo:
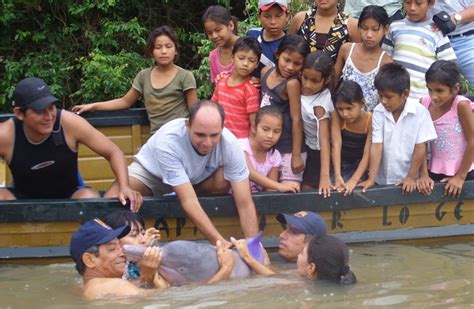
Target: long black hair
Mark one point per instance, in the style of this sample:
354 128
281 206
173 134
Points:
331 257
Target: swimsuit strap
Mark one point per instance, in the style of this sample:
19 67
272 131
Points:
369 122
352 48
343 124
380 59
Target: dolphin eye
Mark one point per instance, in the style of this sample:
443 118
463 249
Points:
181 269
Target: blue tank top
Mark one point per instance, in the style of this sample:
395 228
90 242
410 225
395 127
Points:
272 96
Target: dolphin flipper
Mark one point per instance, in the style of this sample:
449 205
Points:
255 247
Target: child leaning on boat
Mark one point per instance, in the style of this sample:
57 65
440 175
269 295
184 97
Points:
394 158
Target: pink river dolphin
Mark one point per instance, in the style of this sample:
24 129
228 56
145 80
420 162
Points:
188 261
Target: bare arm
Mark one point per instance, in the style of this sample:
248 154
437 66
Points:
376 150
269 182
191 97
409 182
466 117
112 105
194 211
354 33
424 183
82 132
149 264
252 120
325 147
294 92
336 146
226 262
7 132
245 207
467 15
296 22
341 60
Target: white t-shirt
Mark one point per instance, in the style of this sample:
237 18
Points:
170 156
310 122
414 126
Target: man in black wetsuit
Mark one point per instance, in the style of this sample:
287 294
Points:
40 146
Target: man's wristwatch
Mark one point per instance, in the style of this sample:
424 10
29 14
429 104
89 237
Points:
457 18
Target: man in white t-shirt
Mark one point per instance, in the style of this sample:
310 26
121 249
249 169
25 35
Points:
196 155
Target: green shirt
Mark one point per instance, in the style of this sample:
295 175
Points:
167 103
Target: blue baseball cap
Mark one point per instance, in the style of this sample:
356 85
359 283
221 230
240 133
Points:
93 233
304 222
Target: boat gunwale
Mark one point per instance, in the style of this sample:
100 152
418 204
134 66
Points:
109 118
60 210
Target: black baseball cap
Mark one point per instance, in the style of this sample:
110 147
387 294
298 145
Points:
33 92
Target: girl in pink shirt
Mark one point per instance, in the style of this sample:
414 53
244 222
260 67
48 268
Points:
221 29
452 153
263 160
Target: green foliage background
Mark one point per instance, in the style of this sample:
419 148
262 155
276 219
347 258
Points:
91 50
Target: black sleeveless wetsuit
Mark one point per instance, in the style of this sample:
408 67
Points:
45 170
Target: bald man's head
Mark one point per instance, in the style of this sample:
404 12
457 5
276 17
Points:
197 106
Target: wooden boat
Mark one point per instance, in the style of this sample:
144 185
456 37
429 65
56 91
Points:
32 230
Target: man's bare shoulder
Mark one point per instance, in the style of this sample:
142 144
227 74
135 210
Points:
77 129
7 129
109 287
71 120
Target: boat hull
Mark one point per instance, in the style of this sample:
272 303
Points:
42 228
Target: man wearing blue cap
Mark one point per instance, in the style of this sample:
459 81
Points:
40 146
299 228
100 260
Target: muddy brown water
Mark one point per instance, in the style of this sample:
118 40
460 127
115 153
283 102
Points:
390 275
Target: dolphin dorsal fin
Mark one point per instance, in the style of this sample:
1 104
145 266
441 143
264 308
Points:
256 247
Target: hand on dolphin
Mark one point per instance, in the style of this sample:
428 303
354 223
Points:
152 235
224 256
226 261
243 250
149 264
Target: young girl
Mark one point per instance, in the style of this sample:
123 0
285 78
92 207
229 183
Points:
167 89
263 160
324 257
452 153
137 236
350 128
280 87
316 106
360 62
221 29
325 27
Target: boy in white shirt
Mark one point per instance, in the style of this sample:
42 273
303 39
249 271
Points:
400 130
